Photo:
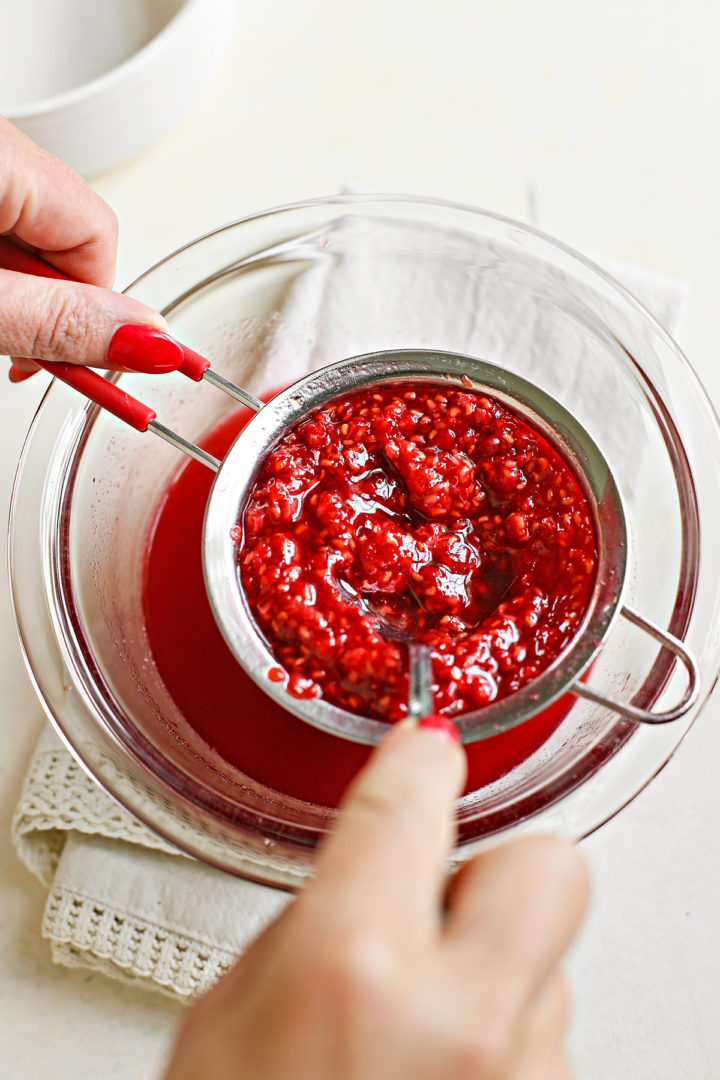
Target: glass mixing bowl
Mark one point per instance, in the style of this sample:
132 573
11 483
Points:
273 297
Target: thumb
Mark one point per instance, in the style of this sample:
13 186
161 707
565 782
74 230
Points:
77 323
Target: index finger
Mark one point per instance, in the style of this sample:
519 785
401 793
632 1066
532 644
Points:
386 860
49 207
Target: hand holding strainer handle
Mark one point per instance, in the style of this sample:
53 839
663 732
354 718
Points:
106 393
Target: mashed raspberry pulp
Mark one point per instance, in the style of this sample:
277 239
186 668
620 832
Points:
225 707
441 510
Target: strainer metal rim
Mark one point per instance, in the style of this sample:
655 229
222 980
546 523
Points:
239 469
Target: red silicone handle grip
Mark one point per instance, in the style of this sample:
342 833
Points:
16 258
104 393
194 365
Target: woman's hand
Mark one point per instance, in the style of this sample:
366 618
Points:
380 971
47 208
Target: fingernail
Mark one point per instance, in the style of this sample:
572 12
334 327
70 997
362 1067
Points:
15 375
442 725
136 347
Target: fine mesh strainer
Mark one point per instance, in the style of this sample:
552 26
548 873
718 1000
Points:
238 470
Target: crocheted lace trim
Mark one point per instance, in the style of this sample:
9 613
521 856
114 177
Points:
58 797
84 933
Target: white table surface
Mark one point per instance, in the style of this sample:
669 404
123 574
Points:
598 120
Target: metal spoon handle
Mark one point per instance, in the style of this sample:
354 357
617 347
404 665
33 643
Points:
420 695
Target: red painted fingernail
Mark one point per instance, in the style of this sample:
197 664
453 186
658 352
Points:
443 725
136 347
15 375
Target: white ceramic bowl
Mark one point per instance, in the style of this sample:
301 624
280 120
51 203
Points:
97 83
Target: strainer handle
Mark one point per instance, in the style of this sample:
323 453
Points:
123 405
646 716
104 392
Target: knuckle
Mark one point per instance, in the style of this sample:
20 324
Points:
106 226
482 1038
112 223
360 972
374 802
398 811
482 1050
404 797
63 331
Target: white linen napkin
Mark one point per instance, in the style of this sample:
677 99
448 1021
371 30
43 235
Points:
121 900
